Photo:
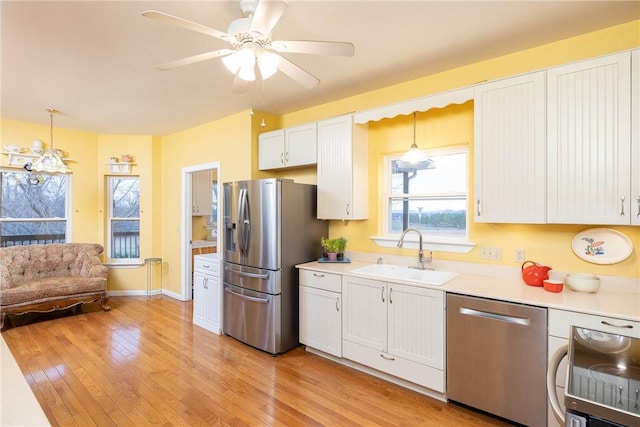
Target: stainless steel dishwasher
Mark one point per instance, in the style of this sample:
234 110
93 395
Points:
497 358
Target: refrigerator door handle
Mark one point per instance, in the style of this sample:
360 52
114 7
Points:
243 222
252 275
253 299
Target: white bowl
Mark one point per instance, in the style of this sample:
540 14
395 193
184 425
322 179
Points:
582 282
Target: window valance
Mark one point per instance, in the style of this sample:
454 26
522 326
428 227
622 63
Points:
439 100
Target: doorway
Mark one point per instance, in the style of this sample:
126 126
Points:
189 174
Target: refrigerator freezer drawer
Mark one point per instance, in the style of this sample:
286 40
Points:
256 279
253 318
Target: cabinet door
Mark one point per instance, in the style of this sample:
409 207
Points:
364 320
202 193
199 298
335 168
300 143
635 137
416 324
509 150
271 150
589 141
321 320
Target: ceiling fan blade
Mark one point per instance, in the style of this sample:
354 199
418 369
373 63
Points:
189 25
240 85
314 47
193 59
303 77
267 15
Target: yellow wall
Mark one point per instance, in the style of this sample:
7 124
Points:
549 244
233 142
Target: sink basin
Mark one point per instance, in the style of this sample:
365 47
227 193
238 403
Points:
386 271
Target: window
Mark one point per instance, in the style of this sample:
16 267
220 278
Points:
34 208
123 226
430 196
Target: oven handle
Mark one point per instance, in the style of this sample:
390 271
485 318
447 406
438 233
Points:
254 299
494 316
552 394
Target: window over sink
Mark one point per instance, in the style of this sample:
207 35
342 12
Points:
430 196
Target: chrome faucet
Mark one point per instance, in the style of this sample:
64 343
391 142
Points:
421 258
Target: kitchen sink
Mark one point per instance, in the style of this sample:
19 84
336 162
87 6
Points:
386 271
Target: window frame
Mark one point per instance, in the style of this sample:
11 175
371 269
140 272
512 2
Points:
441 242
67 219
110 219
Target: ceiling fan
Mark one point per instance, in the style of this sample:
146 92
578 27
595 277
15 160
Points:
251 45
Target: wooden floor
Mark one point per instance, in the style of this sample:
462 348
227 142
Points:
144 363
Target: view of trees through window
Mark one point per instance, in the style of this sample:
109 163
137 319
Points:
33 208
430 196
124 222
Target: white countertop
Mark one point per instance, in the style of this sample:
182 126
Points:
623 304
204 243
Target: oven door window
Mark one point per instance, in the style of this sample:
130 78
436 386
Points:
604 374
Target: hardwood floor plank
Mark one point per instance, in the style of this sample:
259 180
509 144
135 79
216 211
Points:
145 364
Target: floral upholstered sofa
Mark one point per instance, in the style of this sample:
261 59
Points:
44 278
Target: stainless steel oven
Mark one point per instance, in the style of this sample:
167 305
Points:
603 379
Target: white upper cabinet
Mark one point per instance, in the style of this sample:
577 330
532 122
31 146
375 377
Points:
509 150
342 169
635 138
201 193
588 141
289 147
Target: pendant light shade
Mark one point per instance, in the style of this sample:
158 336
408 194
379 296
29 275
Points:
51 160
414 155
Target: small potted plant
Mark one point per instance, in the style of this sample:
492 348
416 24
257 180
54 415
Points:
333 247
341 246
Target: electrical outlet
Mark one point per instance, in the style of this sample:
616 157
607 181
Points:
492 253
518 255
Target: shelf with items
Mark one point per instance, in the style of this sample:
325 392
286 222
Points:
18 160
120 167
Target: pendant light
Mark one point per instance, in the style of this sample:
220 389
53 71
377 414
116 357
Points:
414 155
51 160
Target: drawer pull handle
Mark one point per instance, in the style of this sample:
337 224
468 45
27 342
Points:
318 275
604 322
387 357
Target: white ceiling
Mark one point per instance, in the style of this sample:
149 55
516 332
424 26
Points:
94 61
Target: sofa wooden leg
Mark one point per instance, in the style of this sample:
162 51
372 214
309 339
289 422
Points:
2 317
103 303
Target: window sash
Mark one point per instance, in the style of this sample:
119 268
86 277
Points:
122 244
390 220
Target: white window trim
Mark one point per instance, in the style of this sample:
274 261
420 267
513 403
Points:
117 262
67 209
429 242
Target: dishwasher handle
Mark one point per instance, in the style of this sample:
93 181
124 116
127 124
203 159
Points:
494 316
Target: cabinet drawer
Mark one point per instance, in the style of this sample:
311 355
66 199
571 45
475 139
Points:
206 264
316 279
560 321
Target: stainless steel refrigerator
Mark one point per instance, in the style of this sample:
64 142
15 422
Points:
270 225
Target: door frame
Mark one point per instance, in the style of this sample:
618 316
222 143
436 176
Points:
185 265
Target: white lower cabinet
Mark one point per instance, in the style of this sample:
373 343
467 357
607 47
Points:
321 311
206 292
560 322
396 329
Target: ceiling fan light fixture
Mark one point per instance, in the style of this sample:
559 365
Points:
267 63
242 63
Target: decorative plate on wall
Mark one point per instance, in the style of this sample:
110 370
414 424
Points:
602 246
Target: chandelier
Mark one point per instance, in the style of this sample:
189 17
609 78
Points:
51 160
